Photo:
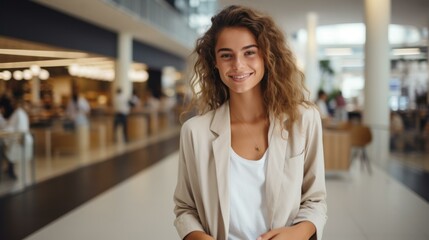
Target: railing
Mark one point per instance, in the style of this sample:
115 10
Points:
161 15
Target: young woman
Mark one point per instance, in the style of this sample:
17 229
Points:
251 164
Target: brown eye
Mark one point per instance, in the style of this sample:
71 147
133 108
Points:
226 56
249 53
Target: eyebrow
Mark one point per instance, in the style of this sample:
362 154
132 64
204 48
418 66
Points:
244 48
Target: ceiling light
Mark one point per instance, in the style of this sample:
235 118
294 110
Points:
405 51
44 74
352 63
35 69
92 72
17 75
138 75
7 75
51 63
27 74
43 53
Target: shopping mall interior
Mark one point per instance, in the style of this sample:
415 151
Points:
105 182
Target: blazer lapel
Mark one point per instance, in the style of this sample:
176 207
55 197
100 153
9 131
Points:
221 126
277 142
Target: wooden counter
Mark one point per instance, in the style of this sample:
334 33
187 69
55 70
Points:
337 147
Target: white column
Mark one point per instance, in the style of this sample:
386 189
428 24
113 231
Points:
312 60
35 91
377 74
123 64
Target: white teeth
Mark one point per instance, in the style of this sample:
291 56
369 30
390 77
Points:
239 77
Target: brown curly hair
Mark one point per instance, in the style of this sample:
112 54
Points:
282 86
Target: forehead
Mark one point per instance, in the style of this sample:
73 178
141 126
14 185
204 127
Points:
235 38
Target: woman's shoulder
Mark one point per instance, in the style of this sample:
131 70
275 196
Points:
308 112
199 121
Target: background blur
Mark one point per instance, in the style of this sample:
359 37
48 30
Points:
369 58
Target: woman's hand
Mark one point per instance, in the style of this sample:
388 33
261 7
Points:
301 231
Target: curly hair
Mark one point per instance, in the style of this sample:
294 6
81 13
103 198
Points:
282 86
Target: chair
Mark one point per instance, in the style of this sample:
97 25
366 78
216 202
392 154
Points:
360 137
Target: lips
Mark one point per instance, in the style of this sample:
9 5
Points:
240 77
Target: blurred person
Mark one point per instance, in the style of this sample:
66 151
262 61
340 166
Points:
251 163
167 103
122 109
77 110
322 104
151 102
340 107
15 120
47 101
167 107
134 101
396 132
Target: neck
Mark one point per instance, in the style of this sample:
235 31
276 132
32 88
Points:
247 107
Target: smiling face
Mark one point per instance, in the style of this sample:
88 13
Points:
239 60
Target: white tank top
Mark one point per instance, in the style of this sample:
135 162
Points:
248 205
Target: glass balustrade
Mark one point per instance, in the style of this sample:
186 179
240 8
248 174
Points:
161 15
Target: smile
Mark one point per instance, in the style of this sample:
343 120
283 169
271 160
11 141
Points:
240 77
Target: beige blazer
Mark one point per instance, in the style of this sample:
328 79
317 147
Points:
295 178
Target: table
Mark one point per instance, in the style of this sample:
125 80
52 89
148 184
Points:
337 148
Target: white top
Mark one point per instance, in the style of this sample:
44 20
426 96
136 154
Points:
152 104
120 104
18 122
323 108
135 101
78 111
248 205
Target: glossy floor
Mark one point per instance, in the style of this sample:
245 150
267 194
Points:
125 192
361 206
58 164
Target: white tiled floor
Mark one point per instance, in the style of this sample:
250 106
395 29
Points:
139 208
413 160
47 168
361 207
374 207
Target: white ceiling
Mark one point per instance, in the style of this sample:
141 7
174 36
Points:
290 15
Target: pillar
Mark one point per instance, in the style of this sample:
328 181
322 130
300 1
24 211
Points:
377 75
312 60
123 64
35 91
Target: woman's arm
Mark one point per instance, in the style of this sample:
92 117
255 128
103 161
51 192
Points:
187 219
301 231
313 206
198 235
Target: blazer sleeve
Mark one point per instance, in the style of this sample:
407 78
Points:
187 219
313 197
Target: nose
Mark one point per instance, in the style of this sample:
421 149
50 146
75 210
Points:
237 63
